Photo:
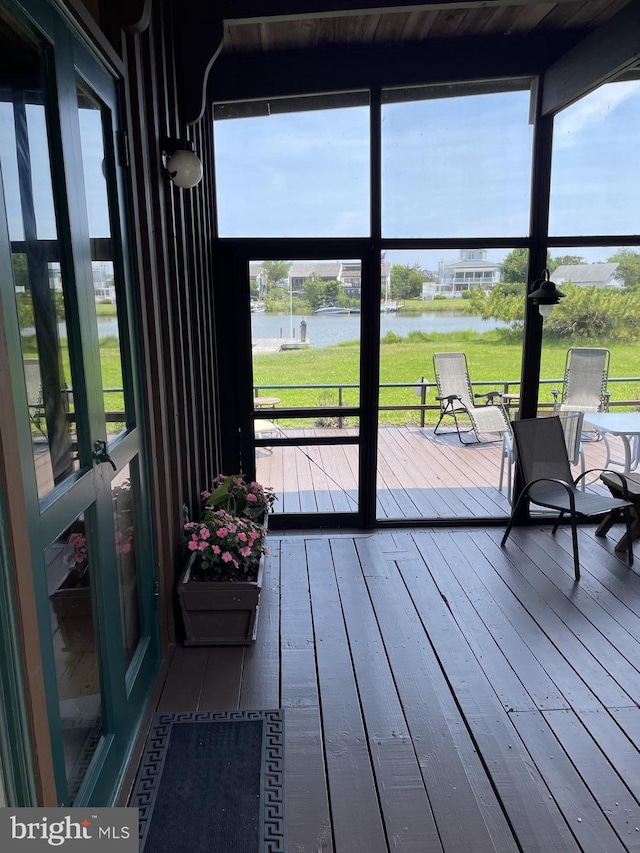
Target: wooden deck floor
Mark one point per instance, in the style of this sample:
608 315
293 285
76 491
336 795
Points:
442 693
419 475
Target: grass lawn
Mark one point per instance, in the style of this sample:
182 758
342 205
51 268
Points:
492 357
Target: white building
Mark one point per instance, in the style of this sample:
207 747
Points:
471 270
588 275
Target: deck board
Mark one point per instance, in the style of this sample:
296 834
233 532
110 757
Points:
419 475
442 693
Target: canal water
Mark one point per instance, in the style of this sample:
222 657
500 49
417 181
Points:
327 329
324 330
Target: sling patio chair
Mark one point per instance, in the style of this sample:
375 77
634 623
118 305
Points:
584 388
572 428
457 399
542 455
35 400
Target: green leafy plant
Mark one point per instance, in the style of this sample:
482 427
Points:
238 497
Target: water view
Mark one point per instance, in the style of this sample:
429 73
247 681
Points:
327 330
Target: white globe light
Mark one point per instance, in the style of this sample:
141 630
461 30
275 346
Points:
184 168
545 310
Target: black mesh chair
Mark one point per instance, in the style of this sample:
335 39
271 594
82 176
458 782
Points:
544 462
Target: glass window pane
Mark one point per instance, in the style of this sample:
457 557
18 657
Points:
9 161
123 502
311 478
468 301
595 177
305 329
41 173
38 281
69 575
105 292
293 174
599 311
456 166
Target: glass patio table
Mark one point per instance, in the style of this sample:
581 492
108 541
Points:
625 425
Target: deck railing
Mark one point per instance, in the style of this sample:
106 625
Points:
510 388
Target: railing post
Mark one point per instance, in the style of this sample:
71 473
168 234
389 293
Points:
423 402
340 419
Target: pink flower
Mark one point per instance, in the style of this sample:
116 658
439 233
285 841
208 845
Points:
246 552
251 498
242 537
192 546
216 549
231 527
202 546
205 533
226 556
222 532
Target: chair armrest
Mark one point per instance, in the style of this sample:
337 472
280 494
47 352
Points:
570 489
449 397
624 483
489 396
605 402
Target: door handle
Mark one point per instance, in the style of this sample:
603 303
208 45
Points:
100 453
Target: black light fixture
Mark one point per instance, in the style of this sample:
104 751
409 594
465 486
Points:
183 165
545 294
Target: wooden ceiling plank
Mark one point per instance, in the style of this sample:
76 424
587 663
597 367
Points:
587 14
447 23
500 22
242 38
531 17
600 57
469 24
607 12
413 26
391 27
238 11
265 76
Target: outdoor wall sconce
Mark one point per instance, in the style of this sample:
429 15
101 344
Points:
545 294
183 165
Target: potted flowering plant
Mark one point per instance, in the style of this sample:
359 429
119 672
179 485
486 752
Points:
219 589
250 500
71 601
228 547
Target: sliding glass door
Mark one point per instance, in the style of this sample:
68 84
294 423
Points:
66 303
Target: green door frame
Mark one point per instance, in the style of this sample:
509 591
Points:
123 693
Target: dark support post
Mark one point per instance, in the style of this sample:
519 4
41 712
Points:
370 358
532 343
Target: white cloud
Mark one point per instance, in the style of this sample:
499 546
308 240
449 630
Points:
590 111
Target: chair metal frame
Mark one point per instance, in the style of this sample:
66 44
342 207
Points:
549 482
584 388
456 398
572 428
35 400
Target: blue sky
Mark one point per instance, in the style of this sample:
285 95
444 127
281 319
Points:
452 167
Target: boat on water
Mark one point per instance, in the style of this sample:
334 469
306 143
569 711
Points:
258 307
332 309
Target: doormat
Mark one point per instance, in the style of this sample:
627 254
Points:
212 783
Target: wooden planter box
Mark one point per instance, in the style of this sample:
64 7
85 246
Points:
219 613
72 607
